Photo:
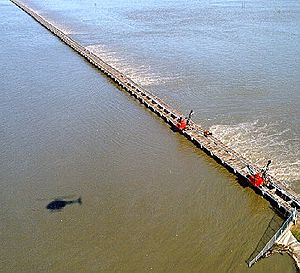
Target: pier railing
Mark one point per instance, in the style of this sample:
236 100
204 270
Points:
280 196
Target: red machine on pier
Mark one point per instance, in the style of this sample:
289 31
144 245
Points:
258 178
181 124
184 122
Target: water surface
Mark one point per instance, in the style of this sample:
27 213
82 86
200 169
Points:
152 202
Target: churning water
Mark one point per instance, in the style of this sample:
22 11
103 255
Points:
236 63
151 202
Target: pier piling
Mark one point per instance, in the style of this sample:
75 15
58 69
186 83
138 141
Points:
280 196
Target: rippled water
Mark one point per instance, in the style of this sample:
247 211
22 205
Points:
233 62
151 200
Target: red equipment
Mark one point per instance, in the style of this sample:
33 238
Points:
258 178
182 124
207 133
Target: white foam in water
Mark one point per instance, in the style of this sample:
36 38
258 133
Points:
141 74
259 143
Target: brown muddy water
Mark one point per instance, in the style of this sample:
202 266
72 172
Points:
151 201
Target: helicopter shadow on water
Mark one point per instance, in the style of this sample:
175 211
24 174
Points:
58 204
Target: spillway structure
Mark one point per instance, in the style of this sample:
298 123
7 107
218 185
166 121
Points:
281 197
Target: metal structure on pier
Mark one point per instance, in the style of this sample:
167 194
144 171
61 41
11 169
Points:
276 192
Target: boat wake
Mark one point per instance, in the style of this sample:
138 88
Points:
261 142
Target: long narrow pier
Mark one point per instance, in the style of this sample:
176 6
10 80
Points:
276 192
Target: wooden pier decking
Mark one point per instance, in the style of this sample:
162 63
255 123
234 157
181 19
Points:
276 192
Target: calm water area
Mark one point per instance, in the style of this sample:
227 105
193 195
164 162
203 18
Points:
151 201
